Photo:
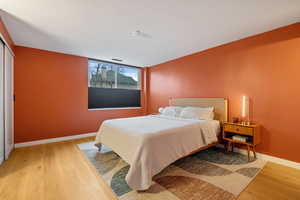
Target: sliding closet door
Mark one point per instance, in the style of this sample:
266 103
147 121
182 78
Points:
8 101
1 102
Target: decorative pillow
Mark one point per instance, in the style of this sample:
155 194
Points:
173 111
160 110
206 113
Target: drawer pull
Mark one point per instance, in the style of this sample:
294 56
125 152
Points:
237 129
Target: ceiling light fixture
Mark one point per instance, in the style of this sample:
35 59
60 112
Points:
139 33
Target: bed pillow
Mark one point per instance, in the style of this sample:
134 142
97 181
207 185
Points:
160 110
206 113
173 111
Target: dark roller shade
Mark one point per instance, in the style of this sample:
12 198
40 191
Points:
113 98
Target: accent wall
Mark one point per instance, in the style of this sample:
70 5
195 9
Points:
52 96
265 67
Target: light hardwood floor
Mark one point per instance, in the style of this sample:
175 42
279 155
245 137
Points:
59 171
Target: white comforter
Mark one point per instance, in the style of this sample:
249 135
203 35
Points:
151 143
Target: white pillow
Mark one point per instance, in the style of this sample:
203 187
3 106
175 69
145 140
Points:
173 111
206 113
160 110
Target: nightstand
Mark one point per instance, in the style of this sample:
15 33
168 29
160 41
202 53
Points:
252 132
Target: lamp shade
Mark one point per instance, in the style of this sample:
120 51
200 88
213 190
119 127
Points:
245 106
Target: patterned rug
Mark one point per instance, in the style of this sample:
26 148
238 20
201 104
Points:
208 175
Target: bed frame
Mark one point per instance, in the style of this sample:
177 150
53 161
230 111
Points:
220 110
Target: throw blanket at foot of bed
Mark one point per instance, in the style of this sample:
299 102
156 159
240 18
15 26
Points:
151 143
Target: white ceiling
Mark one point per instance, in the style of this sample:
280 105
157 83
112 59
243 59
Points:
103 29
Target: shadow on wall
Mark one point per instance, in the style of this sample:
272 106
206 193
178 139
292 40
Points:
263 39
27 30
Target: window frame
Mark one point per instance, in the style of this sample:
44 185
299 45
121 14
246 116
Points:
115 63
125 65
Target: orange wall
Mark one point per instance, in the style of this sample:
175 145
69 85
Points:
52 96
265 67
6 35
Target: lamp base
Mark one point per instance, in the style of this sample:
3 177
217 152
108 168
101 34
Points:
246 123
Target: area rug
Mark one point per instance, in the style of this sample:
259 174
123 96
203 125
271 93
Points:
212 174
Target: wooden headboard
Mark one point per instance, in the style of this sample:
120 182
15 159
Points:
220 105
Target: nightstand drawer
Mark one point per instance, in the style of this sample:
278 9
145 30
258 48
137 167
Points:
239 129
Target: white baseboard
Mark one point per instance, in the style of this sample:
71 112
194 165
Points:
59 139
242 151
268 158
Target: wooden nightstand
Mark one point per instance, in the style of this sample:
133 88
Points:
251 131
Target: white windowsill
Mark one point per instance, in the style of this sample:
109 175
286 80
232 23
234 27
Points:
123 108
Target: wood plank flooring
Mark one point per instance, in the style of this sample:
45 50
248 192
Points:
59 171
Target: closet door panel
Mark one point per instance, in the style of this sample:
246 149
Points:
1 102
8 101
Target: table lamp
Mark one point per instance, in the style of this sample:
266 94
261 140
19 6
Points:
245 110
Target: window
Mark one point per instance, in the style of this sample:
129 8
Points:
113 85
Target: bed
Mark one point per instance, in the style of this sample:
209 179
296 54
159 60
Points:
151 143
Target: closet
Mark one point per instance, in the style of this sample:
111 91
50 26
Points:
6 101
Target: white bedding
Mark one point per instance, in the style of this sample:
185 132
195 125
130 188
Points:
151 143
